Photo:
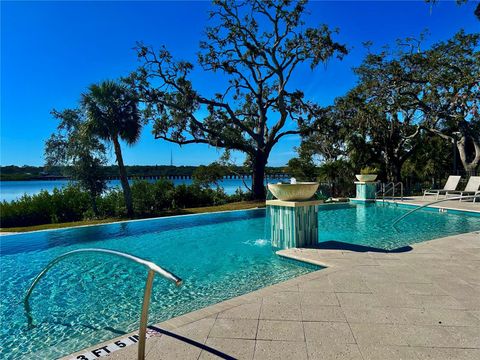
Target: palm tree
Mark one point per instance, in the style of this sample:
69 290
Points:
112 114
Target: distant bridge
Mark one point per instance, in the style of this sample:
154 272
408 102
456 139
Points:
186 177
168 177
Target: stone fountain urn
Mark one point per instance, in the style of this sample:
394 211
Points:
366 177
298 191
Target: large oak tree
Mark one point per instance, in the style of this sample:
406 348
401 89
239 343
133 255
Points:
378 106
258 46
408 89
448 75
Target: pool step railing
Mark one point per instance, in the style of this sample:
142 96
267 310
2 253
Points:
390 187
474 197
152 269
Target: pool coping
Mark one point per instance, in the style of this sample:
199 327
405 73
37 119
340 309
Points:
213 309
411 204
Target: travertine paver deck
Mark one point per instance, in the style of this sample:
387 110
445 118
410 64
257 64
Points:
465 205
419 304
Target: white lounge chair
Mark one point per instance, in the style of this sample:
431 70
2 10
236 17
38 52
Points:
472 188
450 185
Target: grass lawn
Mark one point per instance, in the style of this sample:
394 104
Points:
227 207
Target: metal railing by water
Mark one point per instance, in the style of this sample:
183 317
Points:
390 187
152 269
433 203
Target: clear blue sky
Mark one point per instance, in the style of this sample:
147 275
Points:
51 51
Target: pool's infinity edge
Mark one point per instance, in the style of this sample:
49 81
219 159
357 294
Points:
126 221
395 202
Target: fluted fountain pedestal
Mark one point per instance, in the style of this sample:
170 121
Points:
293 224
366 191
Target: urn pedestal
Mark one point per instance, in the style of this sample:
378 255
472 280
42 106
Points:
293 224
366 191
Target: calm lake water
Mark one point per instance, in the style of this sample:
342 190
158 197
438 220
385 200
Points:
11 190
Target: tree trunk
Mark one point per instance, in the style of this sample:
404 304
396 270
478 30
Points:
127 194
93 199
397 170
388 166
259 162
472 166
394 166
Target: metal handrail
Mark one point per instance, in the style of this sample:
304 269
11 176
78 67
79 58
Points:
401 189
152 269
383 188
390 186
432 203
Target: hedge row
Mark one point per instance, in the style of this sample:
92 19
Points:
73 204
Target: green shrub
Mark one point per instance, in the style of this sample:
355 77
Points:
339 175
63 205
220 197
185 195
194 196
163 192
25 211
240 195
112 203
151 199
74 204
68 204
369 171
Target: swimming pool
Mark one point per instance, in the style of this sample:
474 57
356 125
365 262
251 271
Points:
87 299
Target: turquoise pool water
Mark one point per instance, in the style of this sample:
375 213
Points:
371 225
88 299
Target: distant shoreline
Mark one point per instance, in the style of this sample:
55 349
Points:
34 179
136 172
13 190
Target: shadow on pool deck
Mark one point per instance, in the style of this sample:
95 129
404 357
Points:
338 245
189 341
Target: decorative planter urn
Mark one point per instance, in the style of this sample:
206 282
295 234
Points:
300 191
366 177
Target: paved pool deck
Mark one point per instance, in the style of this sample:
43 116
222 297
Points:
419 303
448 204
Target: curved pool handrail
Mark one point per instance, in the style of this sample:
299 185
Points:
433 203
152 269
